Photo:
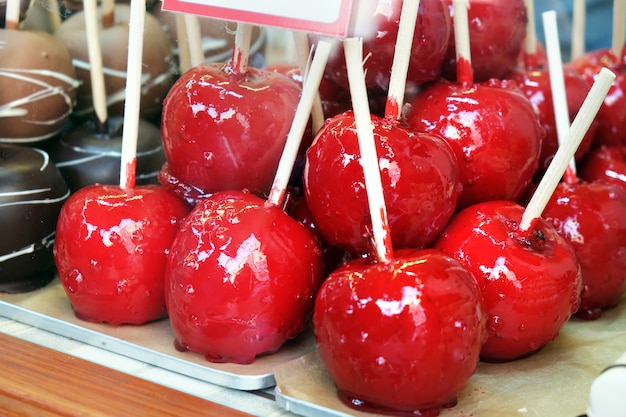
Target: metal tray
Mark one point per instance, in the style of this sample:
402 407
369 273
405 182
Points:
49 309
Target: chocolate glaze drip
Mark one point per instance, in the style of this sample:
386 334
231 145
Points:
32 192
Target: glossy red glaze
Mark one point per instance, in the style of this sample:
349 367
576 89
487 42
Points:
536 86
223 130
606 164
419 176
110 251
530 283
591 217
402 336
241 278
378 24
611 117
497 29
493 130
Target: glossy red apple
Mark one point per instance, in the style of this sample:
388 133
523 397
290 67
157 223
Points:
378 24
419 177
241 278
497 29
493 130
611 117
535 84
110 251
400 337
590 215
606 164
225 130
530 282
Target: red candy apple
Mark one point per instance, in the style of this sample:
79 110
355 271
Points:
530 281
400 337
605 164
611 117
591 217
497 29
535 84
378 24
241 278
419 176
223 129
493 130
110 250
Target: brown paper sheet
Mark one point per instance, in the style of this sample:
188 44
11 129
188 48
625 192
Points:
158 336
554 382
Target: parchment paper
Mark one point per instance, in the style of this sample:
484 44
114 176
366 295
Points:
554 382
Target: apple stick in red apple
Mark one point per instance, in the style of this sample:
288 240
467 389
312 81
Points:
302 47
492 127
421 179
242 275
579 12
96 75
382 323
112 241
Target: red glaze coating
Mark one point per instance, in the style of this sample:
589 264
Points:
605 164
241 278
497 29
611 117
402 336
110 250
379 28
493 130
536 86
222 130
530 284
591 217
419 177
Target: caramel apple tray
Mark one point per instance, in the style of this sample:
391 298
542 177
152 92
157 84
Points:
49 309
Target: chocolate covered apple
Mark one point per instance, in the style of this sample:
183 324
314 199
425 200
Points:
157 59
37 89
32 192
241 278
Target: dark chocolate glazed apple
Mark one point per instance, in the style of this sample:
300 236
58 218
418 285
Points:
32 192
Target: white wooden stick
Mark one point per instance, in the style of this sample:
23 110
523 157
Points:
94 49
619 17
184 56
303 52
301 119
557 79
194 39
133 93
401 59
369 157
530 42
564 154
578 29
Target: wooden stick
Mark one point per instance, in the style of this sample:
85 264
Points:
241 50
557 86
194 39
464 70
294 138
12 16
619 17
303 52
184 56
133 93
566 152
530 42
369 157
401 59
54 15
108 13
578 29
94 49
